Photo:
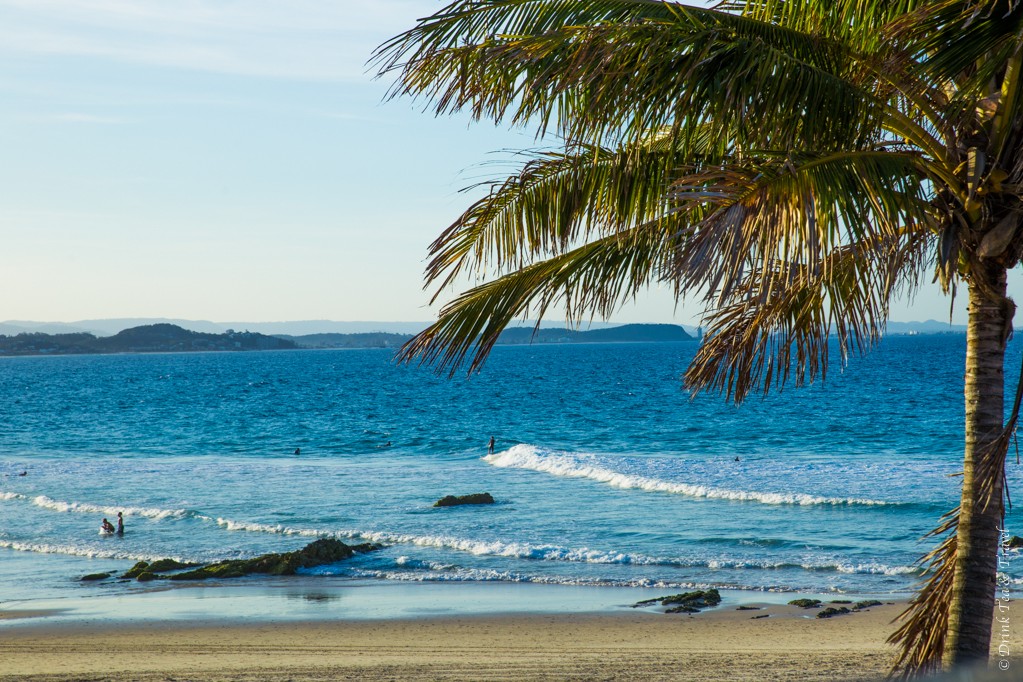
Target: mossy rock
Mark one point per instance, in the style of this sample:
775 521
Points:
686 602
95 576
832 611
860 605
1015 542
318 553
164 565
455 500
136 570
747 608
146 576
840 601
805 603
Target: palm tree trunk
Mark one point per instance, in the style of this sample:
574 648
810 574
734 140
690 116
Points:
981 511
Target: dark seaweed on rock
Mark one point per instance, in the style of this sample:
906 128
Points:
317 553
687 602
453 501
805 603
832 611
158 566
95 576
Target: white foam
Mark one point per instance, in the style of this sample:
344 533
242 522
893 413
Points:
875 569
460 574
267 528
11 496
92 552
519 550
545 552
572 466
87 508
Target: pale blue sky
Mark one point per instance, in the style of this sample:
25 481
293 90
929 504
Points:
230 160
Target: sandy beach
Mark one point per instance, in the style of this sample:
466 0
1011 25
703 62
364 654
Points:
726 644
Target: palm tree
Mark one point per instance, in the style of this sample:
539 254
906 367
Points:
793 165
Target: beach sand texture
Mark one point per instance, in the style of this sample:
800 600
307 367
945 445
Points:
723 645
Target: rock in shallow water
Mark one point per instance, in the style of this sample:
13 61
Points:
317 553
454 501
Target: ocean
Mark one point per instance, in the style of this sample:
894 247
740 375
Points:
606 474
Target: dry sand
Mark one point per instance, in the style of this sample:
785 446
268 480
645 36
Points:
716 645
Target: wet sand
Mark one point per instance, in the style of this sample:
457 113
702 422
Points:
724 644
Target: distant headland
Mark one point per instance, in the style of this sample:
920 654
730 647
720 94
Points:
153 338
170 338
141 335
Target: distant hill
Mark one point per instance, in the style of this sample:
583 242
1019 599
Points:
154 338
108 327
629 333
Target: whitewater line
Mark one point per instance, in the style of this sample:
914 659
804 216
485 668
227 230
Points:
526 457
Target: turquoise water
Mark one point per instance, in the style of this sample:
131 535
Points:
606 473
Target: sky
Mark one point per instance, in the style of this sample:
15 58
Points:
234 160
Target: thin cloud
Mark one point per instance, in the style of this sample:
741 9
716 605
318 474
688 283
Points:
293 39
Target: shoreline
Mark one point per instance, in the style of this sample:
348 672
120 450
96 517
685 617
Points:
326 629
327 598
717 644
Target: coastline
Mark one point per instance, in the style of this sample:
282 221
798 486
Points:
373 630
723 643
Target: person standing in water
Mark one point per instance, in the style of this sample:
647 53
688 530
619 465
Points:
120 523
490 446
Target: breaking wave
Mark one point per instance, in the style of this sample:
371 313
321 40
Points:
547 552
87 508
71 550
576 466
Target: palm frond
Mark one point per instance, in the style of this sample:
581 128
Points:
560 198
783 216
921 637
592 279
779 321
600 70
956 39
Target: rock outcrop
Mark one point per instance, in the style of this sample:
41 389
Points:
687 602
454 501
317 553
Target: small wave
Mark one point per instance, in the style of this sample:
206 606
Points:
92 552
268 528
11 496
518 550
875 569
87 508
410 563
529 457
535 552
490 575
